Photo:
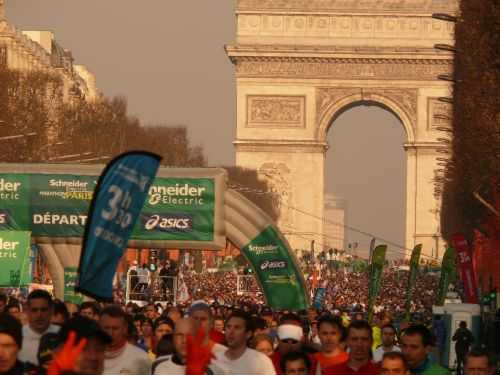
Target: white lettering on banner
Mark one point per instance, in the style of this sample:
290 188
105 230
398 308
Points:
69 184
272 264
182 194
8 248
264 249
118 204
59 219
109 236
167 223
9 190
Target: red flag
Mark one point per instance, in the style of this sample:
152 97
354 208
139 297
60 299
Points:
464 256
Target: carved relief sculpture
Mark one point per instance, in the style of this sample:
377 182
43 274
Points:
275 111
277 175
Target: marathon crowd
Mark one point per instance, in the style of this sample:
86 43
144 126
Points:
50 336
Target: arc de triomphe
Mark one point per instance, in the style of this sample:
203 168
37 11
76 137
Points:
300 63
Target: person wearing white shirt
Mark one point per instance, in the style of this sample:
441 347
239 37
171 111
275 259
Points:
388 339
176 363
238 359
120 356
39 313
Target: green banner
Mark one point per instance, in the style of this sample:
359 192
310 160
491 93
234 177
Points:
376 269
412 278
178 209
15 270
281 283
448 273
59 204
70 276
56 205
14 202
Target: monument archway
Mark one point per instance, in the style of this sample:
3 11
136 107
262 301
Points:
300 63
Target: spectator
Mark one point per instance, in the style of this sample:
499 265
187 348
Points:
479 362
331 333
359 343
416 343
39 310
463 338
11 340
90 310
14 310
60 313
120 356
394 363
388 343
263 343
238 359
295 363
202 314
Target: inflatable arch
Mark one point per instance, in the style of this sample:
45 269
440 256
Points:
51 201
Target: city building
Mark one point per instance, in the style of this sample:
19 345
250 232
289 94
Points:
39 51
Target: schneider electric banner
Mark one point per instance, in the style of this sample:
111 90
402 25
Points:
14 258
183 208
276 272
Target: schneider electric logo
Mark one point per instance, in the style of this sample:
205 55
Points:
273 265
168 222
178 194
263 249
9 190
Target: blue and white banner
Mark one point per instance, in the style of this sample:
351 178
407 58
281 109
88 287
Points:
117 201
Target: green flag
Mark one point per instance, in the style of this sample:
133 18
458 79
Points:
448 272
376 268
412 277
70 275
275 270
14 258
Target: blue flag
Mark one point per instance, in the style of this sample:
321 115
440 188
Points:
319 297
118 199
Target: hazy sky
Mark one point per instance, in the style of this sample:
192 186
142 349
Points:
168 59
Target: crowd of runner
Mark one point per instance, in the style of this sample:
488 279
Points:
205 337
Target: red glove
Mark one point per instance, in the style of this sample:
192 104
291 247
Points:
198 356
66 358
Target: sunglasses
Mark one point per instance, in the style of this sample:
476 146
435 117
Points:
289 341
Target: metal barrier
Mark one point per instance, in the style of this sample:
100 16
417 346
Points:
157 289
246 284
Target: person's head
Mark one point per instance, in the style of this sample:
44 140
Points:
219 324
91 360
165 346
113 321
262 343
416 343
162 327
90 310
174 313
388 335
360 340
260 326
202 314
72 308
290 338
463 324
479 362
295 363
394 363
14 310
150 311
147 327
331 332
138 319
60 313
183 328
238 329
39 310
11 339
267 314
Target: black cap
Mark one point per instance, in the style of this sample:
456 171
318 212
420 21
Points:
12 327
266 311
84 328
